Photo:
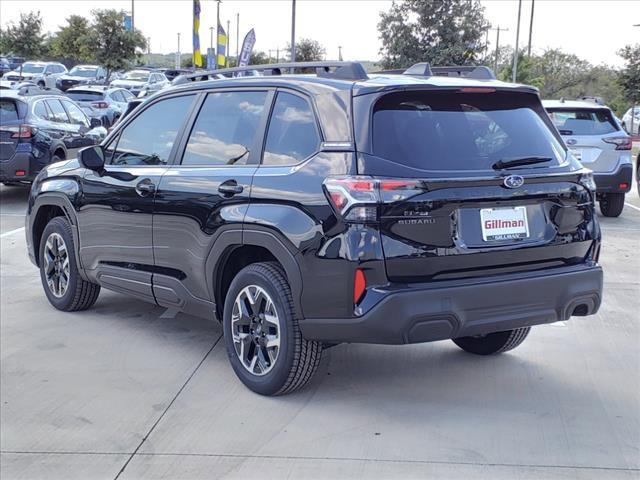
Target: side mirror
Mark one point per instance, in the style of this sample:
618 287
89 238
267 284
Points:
96 122
92 158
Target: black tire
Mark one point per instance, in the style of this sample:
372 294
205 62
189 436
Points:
611 204
41 84
493 343
297 359
79 294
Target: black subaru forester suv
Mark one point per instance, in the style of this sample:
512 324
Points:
308 210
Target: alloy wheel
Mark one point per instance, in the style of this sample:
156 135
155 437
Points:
56 265
255 328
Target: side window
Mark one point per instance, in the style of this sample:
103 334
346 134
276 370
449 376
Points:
58 113
149 138
76 115
127 95
117 96
40 110
293 132
225 130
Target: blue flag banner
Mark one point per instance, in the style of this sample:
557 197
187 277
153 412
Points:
197 57
247 48
222 47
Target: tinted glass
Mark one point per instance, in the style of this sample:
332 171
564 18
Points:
8 110
40 109
583 121
117 96
293 133
86 72
127 95
149 138
225 129
31 68
75 114
136 75
58 113
443 131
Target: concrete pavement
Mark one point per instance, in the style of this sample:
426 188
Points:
127 391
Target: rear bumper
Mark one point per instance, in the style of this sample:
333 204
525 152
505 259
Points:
610 182
444 310
21 161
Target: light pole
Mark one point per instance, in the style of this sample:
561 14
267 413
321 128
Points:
293 31
148 45
533 4
515 50
226 50
237 37
339 53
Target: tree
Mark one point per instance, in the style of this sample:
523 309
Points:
115 48
74 40
441 32
629 77
560 71
25 38
307 50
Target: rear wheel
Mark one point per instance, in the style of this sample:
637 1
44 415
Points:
61 280
493 343
611 204
261 333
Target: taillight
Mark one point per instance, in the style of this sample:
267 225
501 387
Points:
100 104
359 285
22 131
621 143
356 198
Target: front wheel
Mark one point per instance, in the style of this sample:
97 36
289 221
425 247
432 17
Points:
493 343
61 280
611 204
261 333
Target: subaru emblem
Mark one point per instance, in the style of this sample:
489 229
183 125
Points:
513 181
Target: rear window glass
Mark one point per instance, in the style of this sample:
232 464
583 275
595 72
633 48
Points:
445 131
85 96
583 121
8 110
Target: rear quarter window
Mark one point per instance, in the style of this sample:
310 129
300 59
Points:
583 121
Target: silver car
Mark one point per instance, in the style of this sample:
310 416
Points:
141 82
596 138
632 126
43 74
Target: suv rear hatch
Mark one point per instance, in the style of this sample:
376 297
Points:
470 182
11 113
593 136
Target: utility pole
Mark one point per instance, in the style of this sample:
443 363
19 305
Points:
269 59
226 51
486 43
515 50
211 32
215 65
339 53
533 4
237 38
178 59
293 31
132 24
498 30
148 45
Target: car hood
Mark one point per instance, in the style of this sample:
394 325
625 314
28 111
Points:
23 75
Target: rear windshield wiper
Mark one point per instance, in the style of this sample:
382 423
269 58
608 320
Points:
517 162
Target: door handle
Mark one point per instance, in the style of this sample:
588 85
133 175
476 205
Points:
145 187
230 188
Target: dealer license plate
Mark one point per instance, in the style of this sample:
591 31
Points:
504 223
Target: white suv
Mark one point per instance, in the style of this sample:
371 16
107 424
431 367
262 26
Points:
627 123
596 138
43 74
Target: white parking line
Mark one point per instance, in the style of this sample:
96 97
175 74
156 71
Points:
11 232
632 206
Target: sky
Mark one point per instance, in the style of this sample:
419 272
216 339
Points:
591 29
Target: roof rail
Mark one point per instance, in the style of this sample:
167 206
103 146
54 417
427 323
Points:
341 70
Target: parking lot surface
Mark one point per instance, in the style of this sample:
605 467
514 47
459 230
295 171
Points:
128 390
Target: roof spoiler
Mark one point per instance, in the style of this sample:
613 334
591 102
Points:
337 70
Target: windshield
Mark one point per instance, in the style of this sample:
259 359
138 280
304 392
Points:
83 72
445 131
140 76
32 68
85 96
583 121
